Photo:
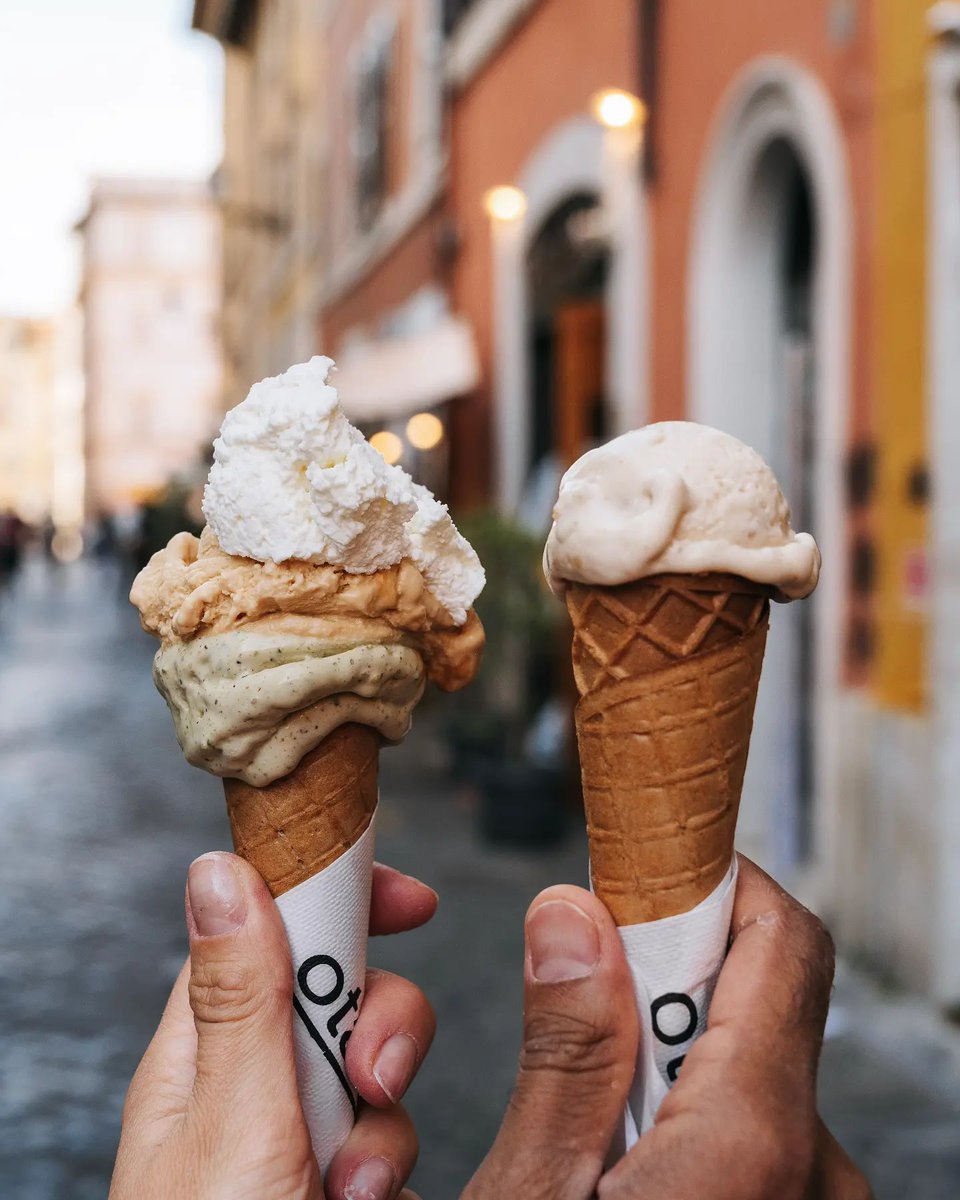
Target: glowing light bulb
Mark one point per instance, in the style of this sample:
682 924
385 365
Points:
388 444
505 203
617 109
424 431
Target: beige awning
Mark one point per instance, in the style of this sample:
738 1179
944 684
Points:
389 379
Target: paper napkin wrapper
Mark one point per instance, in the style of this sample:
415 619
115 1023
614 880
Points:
327 919
675 963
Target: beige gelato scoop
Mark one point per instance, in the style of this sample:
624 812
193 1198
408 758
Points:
676 497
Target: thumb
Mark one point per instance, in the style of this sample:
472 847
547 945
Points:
240 985
577 1058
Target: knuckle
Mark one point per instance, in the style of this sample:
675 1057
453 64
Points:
806 953
812 950
566 1043
815 938
805 932
224 992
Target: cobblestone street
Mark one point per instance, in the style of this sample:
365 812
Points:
100 818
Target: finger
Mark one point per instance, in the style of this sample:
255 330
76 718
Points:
161 1087
756 1064
765 1025
577 1058
777 978
240 986
399 902
377 1158
392 1034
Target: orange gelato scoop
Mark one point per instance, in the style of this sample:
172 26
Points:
192 588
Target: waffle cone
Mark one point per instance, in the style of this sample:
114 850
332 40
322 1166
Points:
292 829
667 669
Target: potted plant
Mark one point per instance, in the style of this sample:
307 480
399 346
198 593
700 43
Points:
492 731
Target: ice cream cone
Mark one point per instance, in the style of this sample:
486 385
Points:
293 828
667 669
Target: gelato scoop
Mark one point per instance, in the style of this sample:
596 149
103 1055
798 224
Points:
676 497
327 588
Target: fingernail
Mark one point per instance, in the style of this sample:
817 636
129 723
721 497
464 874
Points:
396 1064
372 1180
564 942
216 898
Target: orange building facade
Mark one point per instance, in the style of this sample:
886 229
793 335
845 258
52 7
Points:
509 245
539 81
698 265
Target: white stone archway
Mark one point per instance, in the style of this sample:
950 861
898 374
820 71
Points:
943 375
775 101
577 156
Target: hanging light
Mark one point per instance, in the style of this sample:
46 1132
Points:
387 444
505 203
424 431
617 109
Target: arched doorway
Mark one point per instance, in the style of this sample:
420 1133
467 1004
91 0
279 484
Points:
575 160
568 267
774 251
782 227
768 360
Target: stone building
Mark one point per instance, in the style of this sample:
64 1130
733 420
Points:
150 294
334 196
27 414
271 184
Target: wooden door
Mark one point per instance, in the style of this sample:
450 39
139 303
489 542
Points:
578 376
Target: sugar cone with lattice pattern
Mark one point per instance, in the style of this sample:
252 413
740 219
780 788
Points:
293 828
667 669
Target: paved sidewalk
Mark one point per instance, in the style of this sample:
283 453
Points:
100 818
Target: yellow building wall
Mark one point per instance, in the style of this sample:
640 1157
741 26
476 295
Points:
899 350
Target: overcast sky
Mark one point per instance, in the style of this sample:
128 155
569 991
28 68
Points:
92 87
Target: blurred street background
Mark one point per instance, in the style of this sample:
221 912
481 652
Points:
102 817
521 227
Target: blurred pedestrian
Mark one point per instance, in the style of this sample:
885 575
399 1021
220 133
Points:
126 539
102 542
47 534
13 535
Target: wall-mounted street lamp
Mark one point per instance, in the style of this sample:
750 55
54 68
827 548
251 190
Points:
505 203
617 109
424 431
